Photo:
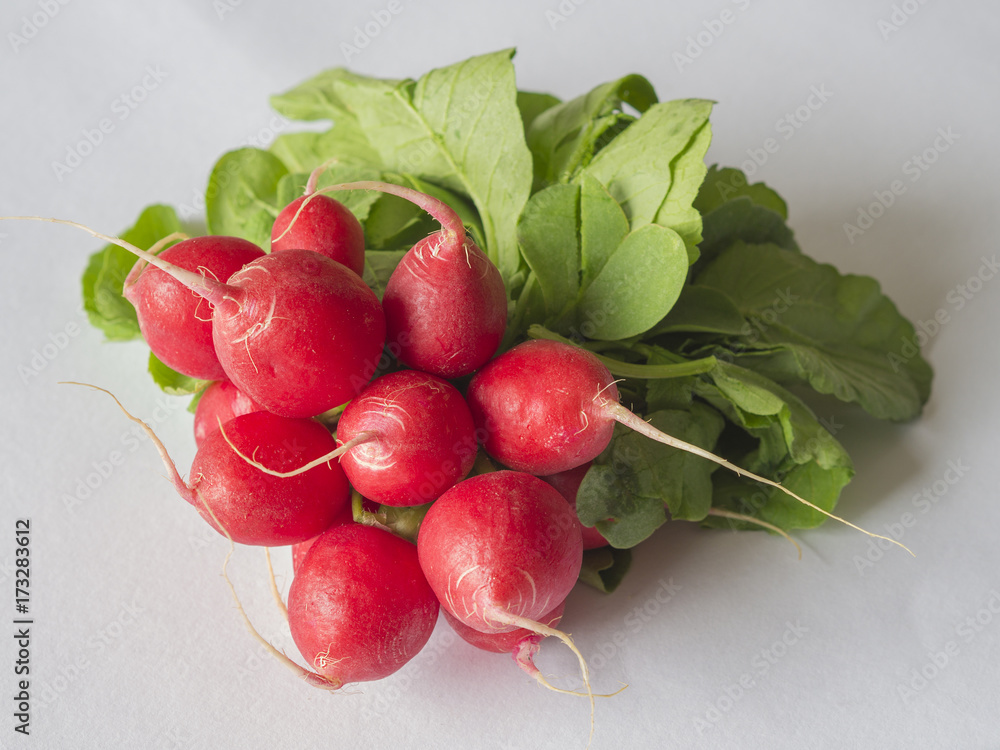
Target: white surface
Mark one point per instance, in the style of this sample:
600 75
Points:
136 642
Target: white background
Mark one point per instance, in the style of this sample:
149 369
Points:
136 643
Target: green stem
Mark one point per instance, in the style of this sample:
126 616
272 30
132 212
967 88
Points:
682 368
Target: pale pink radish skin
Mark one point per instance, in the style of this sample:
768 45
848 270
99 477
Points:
220 402
323 225
297 332
359 606
257 508
445 303
568 483
421 439
176 323
500 549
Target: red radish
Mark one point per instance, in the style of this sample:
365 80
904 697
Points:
546 407
359 606
421 438
541 407
445 303
257 508
500 550
404 440
247 505
176 323
297 332
300 549
220 402
323 225
568 483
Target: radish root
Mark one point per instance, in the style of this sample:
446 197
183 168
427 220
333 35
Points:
274 585
621 414
722 513
508 618
361 437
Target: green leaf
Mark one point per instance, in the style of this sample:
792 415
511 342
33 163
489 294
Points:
603 227
303 152
742 220
242 195
788 430
625 491
460 128
565 137
655 168
171 381
637 285
605 568
531 104
701 309
107 269
808 323
547 231
820 486
319 99
727 184
358 202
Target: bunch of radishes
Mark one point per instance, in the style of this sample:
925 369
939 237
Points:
292 339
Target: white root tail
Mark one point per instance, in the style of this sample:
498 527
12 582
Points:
722 513
361 437
508 618
621 414
274 585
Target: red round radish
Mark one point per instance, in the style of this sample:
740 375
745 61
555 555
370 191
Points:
220 402
568 483
445 303
500 550
323 225
255 507
541 408
175 322
298 333
359 606
445 306
420 438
